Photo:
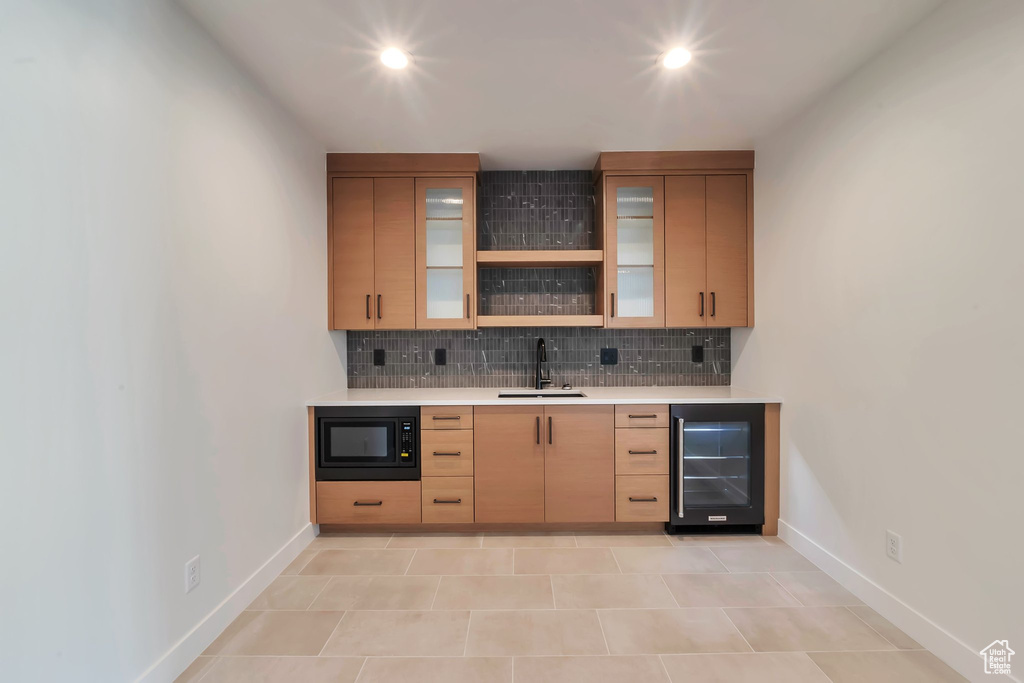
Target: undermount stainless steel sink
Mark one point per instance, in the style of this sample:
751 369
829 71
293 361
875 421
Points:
543 393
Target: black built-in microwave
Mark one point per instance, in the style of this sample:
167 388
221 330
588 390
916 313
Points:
371 443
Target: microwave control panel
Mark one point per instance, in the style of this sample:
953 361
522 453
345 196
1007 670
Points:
408 439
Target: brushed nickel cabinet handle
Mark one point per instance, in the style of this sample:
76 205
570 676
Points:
642 500
373 503
636 453
438 501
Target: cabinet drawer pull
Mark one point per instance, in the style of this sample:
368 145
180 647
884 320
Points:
455 454
467 306
713 307
643 417
538 429
372 503
551 430
643 500
446 417
380 306
613 304
439 501
634 453
367 306
702 304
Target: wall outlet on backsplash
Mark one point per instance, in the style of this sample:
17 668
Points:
378 356
609 356
696 353
440 356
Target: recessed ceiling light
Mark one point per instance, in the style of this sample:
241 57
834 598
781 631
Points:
675 58
394 58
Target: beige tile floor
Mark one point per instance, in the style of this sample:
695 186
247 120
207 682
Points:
534 608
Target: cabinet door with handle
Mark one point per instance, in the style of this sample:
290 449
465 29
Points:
634 251
394 254
508 467
579 464
352 304
445 253
686 297
726 197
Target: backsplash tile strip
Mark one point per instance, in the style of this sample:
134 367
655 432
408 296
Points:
504 357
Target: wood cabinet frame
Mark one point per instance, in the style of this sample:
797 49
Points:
468 321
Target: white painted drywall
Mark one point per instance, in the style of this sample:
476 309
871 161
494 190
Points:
162 321
890 290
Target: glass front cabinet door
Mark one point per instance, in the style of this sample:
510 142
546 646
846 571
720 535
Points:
634 211
445 254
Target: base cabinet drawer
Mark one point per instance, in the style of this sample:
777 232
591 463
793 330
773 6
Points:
447 452
641 498
446 417
447 500
368 502
641 451
642 416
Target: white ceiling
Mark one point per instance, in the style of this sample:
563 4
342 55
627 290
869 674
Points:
535 84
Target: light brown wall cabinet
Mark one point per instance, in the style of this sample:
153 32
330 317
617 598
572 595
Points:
373 254
401 241
706 237
679 238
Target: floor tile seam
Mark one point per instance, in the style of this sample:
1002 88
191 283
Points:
737 629
864 621
333 631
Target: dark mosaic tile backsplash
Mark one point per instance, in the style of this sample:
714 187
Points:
504 357
537 291
537 210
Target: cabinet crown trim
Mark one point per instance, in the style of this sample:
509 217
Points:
609 162
413 164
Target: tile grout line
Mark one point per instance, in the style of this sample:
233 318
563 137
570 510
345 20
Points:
678 606
333 631
788 592
723 611
440 578
317 596
600 623
719 560
818 667
408 566
617 565
360 672
661 660
469 623
898 649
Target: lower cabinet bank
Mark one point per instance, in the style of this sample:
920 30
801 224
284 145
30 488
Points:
531 466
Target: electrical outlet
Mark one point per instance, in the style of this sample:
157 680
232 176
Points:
378 356
191 574
440 356
696 353
894 546
609 356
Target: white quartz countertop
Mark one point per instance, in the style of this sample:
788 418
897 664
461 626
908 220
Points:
489 397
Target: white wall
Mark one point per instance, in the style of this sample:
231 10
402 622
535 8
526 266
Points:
162 320
890 290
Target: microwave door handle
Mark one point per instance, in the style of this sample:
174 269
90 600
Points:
679 464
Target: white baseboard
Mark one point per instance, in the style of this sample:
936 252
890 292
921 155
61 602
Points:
184 652
943 644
